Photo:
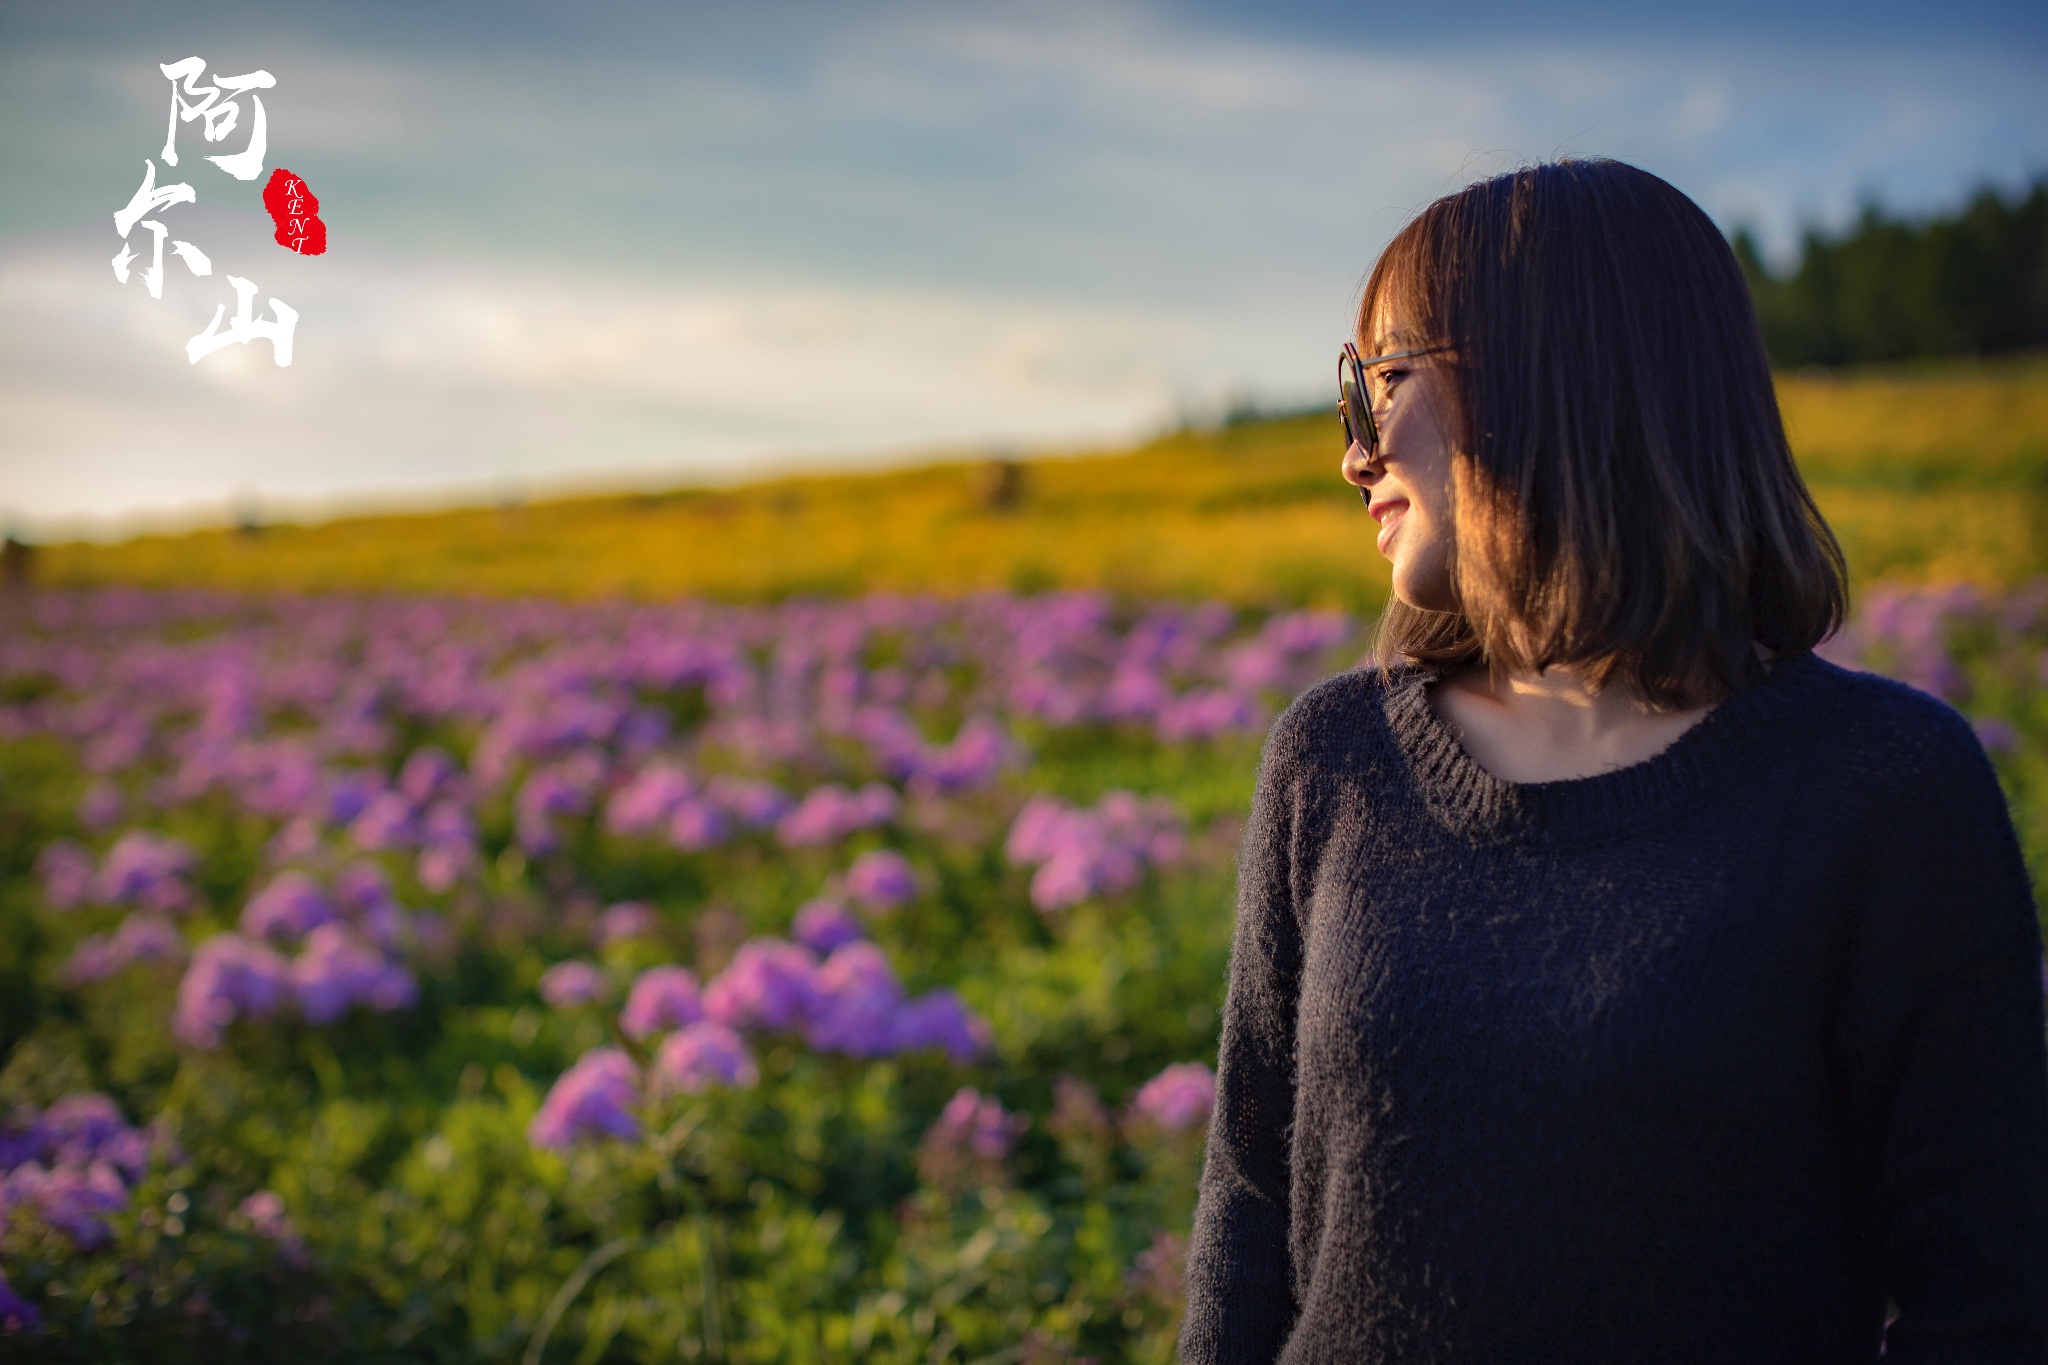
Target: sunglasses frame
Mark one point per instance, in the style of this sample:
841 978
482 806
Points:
1351 378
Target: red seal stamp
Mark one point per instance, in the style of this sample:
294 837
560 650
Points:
296 211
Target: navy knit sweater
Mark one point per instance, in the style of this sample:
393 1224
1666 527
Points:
1698 1060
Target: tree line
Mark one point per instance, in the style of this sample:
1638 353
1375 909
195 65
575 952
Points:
1974 282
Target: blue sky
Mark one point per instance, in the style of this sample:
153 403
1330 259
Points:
648 244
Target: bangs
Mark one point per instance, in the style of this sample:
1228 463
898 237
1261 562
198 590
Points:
1399 285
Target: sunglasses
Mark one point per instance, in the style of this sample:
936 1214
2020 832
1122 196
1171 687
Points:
1354 399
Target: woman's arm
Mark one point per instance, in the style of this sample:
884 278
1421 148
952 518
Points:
1240 1301
1947 1075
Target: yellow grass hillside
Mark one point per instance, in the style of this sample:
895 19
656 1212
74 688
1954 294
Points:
1927 473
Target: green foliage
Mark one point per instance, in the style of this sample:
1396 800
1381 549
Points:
1974 282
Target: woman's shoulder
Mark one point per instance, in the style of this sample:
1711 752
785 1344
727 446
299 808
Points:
1896 734
1886 711
1338 716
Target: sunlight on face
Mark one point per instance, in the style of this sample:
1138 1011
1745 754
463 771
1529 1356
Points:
1408 480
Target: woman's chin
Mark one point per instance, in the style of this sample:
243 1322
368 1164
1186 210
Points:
1422 591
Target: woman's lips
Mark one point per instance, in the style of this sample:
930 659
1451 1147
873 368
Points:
1388 515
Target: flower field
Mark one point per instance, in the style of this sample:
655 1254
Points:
477 979
425 979
433 979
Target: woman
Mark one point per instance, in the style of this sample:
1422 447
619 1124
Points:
1614 980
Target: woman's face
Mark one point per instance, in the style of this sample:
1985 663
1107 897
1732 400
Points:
1408 481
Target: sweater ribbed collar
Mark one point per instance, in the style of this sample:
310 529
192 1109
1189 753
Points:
1728 744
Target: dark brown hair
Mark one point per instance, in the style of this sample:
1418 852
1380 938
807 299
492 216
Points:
1625 499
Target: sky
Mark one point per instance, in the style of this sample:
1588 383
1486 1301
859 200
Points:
643 245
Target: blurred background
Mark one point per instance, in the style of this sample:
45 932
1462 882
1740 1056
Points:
652 246
670 788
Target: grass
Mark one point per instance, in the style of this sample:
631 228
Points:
1931 472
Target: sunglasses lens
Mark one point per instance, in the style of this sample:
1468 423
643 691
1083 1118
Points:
1356 410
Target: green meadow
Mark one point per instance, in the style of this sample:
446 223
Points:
1929 472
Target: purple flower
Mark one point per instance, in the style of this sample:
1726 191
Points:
267 1218
291 906
442 865
1085 853
829 813
1038 830
696 824
387 821
265 1211
646 801
93 959
16 1313
824 924
74 1200
1998 736
361 886
128 1152
595 1098
573 983
230 977
1284 654
79 1125
1178 1097
1134 693
347 796
970 1138
892 738
100 806
980 1122
766 985
700 1055
121 746
938 1019
427 770
625 921
446 822
755 805
387 925
1256 666
1203 714
145 869
142 937
855 1003
881 879
978 753
563 789
23 1139
66 871
1049 699
662 998
299 838
1906 633
339 970
900 750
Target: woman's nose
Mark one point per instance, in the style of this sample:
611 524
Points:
1357 465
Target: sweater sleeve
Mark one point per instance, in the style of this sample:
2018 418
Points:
1941 1047
1240 1301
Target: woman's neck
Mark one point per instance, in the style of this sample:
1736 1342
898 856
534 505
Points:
1556 725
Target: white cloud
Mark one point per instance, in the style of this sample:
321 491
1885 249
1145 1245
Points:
429 376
